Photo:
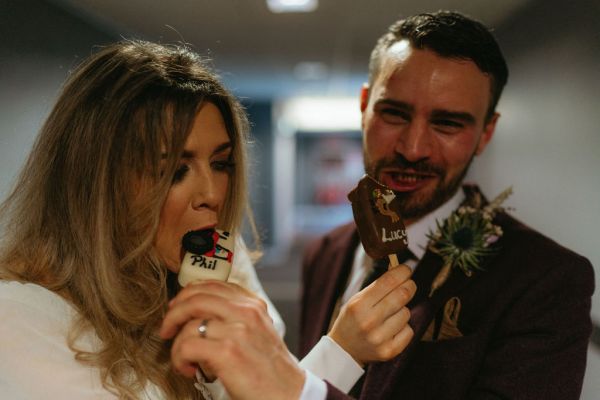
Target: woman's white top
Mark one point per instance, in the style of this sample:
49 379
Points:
36 362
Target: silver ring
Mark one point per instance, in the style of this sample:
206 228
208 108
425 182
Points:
203 328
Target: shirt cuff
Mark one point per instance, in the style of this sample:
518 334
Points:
330 362
314 388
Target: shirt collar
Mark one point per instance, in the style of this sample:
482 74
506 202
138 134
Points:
417 232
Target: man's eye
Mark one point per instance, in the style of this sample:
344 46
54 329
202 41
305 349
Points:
180 173
448 122
448 125
394 116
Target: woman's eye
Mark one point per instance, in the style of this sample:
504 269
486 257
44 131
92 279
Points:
223 165
180 173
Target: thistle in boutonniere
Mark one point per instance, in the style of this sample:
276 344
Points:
466 238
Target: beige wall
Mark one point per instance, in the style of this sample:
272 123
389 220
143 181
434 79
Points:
547 144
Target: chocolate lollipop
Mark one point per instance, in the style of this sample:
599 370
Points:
209 254
380 225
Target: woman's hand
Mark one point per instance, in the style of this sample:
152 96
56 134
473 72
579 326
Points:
240 345
373 325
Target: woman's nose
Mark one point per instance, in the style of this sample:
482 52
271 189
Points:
205 191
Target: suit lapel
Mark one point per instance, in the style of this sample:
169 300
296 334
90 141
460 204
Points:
335 277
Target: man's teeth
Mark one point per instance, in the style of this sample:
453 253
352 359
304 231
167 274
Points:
410 178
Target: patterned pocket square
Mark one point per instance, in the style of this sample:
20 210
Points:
445 326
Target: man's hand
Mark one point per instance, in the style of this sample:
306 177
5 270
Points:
373 325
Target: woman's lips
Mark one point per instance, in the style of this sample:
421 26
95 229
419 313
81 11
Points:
405 181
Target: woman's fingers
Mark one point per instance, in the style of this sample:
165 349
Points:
191 347
225 289
248 357
216 300
199 306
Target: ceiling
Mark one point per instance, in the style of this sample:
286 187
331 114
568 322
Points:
259 53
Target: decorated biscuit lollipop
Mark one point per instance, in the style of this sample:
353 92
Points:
209 254
379 223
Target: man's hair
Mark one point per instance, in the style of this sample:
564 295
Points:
451 35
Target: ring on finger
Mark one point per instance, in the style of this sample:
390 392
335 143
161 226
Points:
202 328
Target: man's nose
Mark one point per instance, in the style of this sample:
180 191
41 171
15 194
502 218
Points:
414 141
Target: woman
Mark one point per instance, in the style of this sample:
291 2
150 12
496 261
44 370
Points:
143 145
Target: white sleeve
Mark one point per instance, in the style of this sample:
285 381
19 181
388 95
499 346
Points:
330 362
314 388
36 362
244 274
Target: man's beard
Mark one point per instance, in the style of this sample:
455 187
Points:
414 205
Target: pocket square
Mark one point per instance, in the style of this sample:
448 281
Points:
445 326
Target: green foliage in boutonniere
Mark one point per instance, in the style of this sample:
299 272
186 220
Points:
466 237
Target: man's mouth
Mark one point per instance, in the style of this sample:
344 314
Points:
405 181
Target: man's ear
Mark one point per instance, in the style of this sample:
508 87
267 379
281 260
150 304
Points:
364 97
488 132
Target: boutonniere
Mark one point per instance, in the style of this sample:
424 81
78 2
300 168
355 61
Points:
466 237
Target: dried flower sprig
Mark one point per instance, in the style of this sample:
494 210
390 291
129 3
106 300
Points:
466 237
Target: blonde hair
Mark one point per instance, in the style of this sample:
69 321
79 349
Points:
84 212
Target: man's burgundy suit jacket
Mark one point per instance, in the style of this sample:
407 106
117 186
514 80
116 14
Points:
525 321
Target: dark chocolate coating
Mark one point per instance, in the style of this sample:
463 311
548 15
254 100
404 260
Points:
198 242
380 225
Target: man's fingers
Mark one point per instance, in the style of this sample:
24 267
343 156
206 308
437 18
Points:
397 298
395 323
397 275
383 298
402 339
383 337
387 282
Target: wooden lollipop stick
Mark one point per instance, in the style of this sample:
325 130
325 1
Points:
393 261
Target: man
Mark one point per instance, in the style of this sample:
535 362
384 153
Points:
519 327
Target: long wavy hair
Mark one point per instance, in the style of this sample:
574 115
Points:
83 215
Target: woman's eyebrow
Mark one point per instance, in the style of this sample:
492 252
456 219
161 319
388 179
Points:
187 154
222 147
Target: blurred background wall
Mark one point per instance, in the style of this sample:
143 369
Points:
298 75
